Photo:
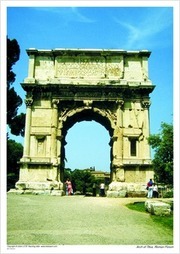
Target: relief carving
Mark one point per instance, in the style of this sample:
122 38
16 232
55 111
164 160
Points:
40 145
114 67
88 103
44 67
80 66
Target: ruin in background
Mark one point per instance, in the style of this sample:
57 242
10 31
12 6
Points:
65 86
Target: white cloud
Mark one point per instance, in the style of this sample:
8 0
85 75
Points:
68 14
80 17
144 32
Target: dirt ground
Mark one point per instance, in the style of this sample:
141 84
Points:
79 220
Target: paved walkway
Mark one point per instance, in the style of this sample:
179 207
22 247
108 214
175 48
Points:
78 220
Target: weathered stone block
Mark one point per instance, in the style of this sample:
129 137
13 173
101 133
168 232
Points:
117 186
28 192
131 189
116 194
54 185
38 192
20 186
57 193
158 208
15 191
148 205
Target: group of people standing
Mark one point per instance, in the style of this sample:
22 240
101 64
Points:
152 189
69 189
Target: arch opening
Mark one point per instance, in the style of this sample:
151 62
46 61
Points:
86 116
87 146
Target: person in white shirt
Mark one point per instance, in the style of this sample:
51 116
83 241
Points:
155 191
102 189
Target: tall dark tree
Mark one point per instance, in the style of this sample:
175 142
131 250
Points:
14 153
14 101
15 122
13 53
163 158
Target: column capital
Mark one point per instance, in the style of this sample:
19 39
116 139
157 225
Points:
55 102
28 102
146 103
120 103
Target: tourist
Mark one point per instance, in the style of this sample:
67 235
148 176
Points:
102 189
150 188
155 191
68 187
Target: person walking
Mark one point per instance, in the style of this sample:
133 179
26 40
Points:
68 187
150 188
102 189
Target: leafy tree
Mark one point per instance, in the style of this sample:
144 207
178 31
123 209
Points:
13 53
163 158
14 153
82 180
67 174
14 101
17 125
15 122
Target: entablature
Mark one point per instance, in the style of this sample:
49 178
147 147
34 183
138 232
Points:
89 92
88 66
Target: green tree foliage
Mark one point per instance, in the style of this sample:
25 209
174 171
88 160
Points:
13 53
17 125
82 180
162 143
14 101
14 153
67 174
15 122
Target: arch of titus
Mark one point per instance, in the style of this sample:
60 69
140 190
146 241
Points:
65 86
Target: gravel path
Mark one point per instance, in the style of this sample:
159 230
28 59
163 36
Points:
78 220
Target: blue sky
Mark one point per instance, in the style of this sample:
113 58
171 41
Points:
112 27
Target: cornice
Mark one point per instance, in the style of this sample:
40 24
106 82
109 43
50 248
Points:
85 51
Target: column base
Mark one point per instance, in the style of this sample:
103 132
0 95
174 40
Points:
122 190
47 185
38 192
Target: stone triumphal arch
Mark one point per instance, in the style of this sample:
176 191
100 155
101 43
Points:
65 86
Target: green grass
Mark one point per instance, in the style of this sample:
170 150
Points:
137 206
164 221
